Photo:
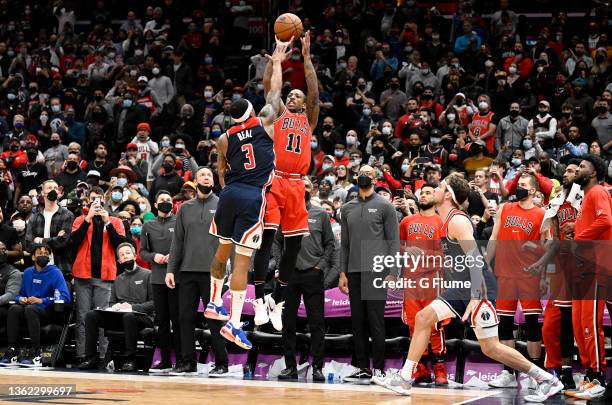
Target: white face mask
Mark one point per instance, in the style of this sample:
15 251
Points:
512 70
155 71
450 117
208 94
386 130
351 140
483 105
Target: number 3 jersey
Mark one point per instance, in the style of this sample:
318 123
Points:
292 143
250 154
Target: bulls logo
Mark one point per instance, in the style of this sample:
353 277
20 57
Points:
485 316
255 238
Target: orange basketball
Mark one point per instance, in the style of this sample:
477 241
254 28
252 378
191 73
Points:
288 25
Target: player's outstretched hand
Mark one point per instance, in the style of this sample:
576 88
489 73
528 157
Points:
281 51
306 45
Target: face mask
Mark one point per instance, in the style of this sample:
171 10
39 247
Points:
350 140
601 110
260 87
52 195
434 140
208 60
527 144
424 72
450 117
44 118
521 193
127 266
55 108
3 258
314 144
342 66
542 114
204 189
127 103
236 97
364 181
339 153
427 96
394 86
138 52
121 182
165 143
143 207
366 112
327 166
98 98
116 196
155 71
19 126
452 157
54 142
489 63
514 113
167 167
386 131
331 179
208 94
165 207
537 201
14 148
42 261
460 102
405 167
32 155
180 146
540 69
136 229
376 150
71 165
11 96
327 127
295 57
501 82
483 105
516 162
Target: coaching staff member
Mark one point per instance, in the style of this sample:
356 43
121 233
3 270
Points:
316 259
192 251
369 228
155 242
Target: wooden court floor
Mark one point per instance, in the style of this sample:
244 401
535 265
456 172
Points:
107 388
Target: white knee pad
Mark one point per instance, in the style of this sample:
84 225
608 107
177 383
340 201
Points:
244 251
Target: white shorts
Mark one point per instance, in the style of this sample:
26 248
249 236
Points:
484 318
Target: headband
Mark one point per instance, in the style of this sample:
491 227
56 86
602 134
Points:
452 192
246 114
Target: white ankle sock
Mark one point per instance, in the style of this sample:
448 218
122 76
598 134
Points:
408 369
237 303
538 374
216 286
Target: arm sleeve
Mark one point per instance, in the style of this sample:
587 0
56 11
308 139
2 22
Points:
545 184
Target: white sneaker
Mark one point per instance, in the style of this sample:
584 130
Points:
396 383
261 312
545 390
591 391
504 380
378 377
276 313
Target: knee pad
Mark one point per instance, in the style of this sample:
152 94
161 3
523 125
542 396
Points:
244 251
506 325
534 330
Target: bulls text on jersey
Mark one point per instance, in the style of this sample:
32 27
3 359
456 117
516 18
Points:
516 221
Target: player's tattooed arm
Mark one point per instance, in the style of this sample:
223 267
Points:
273 98
312 83
221 159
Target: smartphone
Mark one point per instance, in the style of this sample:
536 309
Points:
399 193
123 156
421 160
493 203
97 201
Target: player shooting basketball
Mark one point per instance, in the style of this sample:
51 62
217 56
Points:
296 120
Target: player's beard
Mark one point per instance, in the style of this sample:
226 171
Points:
581 180
425 206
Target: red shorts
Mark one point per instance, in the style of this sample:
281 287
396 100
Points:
513 290
286 206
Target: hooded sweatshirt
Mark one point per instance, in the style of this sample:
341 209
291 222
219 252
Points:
42 284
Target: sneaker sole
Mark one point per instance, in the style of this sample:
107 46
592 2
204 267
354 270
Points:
358 381
31 365
215 316
398 390
234 339
553 391
218 375
186 374
161 371
500 387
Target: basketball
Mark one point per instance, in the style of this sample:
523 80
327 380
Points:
288 25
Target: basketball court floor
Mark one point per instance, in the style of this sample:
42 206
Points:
107 388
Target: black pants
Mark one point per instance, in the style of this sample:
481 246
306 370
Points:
368 320
193 286
3 317
308 283
34 317
131 324
166 301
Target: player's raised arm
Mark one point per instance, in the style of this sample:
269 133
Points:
221 158
273 98
312 83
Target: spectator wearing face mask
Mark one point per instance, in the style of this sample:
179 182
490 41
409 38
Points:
19 132
484 123
602 124
511 129
13 155
544 126
51 225
75 131
162 87
55 155
10 238
71 175
147 148
29 175
146 96
128 115
168 179
392 100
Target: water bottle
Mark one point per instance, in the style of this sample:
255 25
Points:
330 378
57 296
58 302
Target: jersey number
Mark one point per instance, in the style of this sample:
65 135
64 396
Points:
248 149
294 147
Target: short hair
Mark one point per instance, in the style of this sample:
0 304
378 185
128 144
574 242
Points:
162 192
103 143
124 244
48 181
97 190
532 180
431 185
42 245
598 164
460 186
202 168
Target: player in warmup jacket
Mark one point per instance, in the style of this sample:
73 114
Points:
245 167
285 200
420 235
594 224
465 302
557 332
518 230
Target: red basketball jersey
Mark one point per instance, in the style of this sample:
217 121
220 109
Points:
518 225
424 232
566 214
292 143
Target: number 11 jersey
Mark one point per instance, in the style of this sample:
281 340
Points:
292 143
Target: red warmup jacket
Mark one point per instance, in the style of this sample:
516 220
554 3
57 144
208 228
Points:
544 184
82 262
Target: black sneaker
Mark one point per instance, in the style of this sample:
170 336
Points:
161 368
10 358
32 359
290 373
362 376
129 367
185 368
90 363
317 374
218 372
567 379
